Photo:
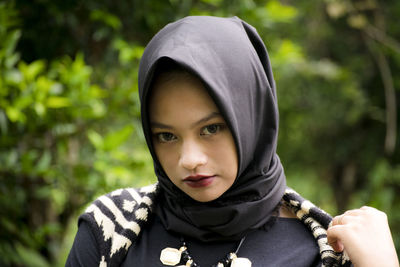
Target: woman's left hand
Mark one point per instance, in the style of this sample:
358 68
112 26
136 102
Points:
365 236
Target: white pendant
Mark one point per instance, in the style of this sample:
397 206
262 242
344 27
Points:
170 256
241 262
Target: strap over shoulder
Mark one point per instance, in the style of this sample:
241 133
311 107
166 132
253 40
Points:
318 222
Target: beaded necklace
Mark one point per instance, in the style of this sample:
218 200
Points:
181 257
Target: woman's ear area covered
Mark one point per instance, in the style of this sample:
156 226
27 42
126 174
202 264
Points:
262 53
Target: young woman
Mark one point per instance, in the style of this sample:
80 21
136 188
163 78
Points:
210 118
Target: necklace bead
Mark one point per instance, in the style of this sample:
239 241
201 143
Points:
170 256
181 256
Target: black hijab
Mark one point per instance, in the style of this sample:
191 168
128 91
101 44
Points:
230 58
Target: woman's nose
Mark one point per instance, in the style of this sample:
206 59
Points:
192 155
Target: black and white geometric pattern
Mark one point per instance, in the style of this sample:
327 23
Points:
118 217
318 222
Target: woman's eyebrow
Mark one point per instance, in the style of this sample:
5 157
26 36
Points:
159 125
206 118
155 124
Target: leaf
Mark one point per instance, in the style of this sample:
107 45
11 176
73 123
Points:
98 108
11 60
95 138
13 77
358 21
337 9
288 53
11 159
44 162
11 42
30 258
40 109
115 139
107 18
57 102
127 52
43 84
280 13
32 70
15 114
56 88
64 129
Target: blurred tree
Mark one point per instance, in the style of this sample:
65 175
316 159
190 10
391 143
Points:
61 143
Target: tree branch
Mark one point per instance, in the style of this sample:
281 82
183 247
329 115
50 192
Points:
390 97
380 36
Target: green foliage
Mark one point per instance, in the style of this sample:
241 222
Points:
63 141
69 106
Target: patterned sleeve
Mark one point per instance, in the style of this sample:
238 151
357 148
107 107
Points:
116 220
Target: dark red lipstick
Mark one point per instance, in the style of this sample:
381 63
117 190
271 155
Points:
197 181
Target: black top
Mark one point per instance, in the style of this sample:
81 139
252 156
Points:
287 243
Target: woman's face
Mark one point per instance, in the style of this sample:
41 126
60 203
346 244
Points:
191 139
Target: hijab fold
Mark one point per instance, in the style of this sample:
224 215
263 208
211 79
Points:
230 58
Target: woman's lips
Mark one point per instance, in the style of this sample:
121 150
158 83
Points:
197 181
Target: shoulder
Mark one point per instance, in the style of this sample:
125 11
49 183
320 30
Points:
317 221
116 219
83 251
121 207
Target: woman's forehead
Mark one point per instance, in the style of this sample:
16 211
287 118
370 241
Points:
173 98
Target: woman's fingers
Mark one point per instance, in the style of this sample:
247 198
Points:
333 239
365 235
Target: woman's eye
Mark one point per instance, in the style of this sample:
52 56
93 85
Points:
165 137
211 129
